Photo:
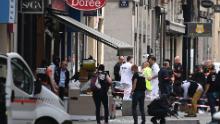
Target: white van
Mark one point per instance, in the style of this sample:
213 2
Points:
27 102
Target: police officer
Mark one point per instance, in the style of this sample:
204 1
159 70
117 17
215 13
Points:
165 78
138 94
211 90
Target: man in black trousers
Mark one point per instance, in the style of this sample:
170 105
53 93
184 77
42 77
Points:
159 108
100 95
138 94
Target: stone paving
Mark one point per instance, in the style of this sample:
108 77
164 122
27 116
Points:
202 118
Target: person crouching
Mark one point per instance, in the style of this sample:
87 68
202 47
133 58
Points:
159 108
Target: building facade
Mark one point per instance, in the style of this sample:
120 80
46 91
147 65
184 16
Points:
216 35
152 26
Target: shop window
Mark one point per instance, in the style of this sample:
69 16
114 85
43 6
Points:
144 38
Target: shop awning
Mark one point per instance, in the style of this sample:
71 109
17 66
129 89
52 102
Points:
177 28
122 47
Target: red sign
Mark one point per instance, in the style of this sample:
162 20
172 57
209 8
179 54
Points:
86 5
58 5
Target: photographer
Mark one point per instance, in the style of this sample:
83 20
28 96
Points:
100 95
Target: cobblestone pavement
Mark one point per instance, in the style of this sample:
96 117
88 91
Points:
203 119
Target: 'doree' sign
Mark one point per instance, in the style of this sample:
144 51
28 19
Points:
86 5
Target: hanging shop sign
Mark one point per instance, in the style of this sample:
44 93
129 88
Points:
86 5
7 11
123 3
32 6
199 29
207 3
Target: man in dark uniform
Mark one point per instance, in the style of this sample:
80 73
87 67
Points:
165 78
117 68
138 94
210 90
177 71
199 76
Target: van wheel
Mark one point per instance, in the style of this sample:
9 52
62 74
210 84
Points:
46 121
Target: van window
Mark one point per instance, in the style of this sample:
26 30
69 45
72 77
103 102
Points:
21 76
3 70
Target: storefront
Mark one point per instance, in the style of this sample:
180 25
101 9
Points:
78 104
31 30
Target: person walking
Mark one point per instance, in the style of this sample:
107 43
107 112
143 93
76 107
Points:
165 78
210 90
154 80
117 68
100 95
138 94
126 77
62 79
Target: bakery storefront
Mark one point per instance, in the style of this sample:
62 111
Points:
80 104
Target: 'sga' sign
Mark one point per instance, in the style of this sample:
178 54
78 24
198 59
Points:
86 5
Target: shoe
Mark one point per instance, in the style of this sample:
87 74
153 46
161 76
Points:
190 115
154 121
